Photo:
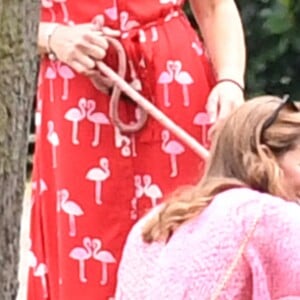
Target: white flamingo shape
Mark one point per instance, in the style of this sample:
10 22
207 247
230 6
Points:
168 1
53 139
202 119
173 148
64 9
184 79
165 78
152 190
126 24
75 115
71 208
98 119
66 73
41 271
123 142
105 257
198 49
98 175
40 187
49 5
51 75
139 192
82 254
112 12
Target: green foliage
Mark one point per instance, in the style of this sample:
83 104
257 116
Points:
272 29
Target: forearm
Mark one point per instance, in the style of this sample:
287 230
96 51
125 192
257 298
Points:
223 35
45 29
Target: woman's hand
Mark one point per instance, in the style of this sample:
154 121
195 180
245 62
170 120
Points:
81 45
222 100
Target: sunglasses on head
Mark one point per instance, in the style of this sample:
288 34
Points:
271 120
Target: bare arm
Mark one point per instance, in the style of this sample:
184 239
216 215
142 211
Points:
223 35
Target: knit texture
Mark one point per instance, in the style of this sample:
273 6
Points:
194 261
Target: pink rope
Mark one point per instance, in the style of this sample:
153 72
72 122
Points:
119 84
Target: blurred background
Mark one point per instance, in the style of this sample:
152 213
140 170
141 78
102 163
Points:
272 29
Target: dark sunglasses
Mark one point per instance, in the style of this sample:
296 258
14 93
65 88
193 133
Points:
271 120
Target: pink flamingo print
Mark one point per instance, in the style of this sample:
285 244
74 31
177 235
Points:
183 78
53 139
71 208
173 148
197 48
202 119
112 12
98 175
139 192
64 9
41 271
151 190
142 36
168 1
49 5
66 73
135 83
75 115
154 34
40 187
51 75
98 118
165 78
31 257
126 24
82 254
123 142
105 257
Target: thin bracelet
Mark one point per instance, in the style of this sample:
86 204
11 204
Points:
232 81
51 54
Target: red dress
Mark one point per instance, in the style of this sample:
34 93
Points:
92 182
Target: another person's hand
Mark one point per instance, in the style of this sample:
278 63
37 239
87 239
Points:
79 46
222 100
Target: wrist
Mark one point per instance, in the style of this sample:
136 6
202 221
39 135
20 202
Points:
45 38
237 83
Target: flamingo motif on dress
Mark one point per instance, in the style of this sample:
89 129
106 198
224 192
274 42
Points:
53 139
98 119
139 192
63 4
51 75
173 148
82 254
49 5
40 271
198 49
126 24
98 175
123 142
105 257
71 208
75 115
184 79
112 12
165 78
151 190
67 74
39 187
202 119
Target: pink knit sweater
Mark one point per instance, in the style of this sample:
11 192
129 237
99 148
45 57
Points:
193 263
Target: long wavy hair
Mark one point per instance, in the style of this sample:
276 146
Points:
242 154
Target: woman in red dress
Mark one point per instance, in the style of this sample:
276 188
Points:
91 181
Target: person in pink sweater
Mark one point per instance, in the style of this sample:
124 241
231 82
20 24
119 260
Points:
235 235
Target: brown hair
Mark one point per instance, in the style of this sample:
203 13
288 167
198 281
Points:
242 155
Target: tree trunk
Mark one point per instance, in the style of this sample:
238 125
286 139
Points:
18 62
